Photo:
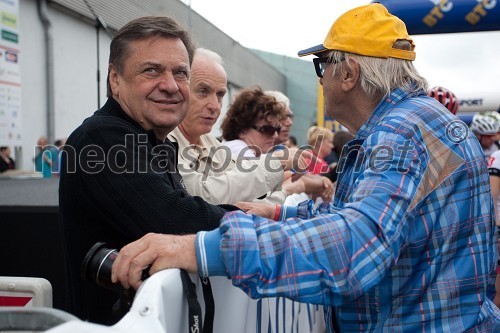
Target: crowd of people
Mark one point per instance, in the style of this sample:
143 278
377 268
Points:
402 238
46 159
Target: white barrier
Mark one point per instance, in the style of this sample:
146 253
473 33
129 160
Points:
161 307
25 292
236 312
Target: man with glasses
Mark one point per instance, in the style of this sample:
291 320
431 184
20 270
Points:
408 244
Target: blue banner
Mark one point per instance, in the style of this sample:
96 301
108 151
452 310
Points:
445 16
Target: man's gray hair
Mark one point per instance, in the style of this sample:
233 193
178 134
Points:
210 54
379 77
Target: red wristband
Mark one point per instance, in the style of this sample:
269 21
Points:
277 212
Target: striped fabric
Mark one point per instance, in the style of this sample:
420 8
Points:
407 244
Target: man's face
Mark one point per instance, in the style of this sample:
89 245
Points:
208 87
42 142
487 141
286 126
331 89
154 86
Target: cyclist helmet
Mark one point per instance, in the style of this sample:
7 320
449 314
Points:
493 114
445 97
484 125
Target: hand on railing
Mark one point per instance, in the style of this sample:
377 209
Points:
160 251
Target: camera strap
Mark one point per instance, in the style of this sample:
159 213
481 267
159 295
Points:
208 325
194 308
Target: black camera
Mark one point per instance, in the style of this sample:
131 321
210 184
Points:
96 266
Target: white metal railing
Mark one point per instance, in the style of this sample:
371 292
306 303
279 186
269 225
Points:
160 306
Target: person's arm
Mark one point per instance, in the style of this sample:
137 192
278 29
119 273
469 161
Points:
318 186
313 185
229 179
239 180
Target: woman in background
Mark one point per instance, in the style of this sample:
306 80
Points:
320 139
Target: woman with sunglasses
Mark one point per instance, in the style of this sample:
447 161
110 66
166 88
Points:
252 123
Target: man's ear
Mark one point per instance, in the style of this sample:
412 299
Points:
114 81
350 75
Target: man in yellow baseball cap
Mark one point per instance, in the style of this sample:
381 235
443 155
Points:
407 244
368 30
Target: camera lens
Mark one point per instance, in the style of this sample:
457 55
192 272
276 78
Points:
97 265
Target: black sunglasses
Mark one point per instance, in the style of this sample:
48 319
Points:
267 129
321 63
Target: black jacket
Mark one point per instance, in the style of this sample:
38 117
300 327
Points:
117 184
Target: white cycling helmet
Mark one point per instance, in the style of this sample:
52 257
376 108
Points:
493 114
484 125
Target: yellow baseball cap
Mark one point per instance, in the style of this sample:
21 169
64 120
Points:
368 30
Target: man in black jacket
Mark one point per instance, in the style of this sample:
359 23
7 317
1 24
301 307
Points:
119 178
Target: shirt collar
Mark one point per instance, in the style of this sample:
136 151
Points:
177 136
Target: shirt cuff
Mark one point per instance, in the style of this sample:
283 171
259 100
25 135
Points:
305 209
287 212
208 254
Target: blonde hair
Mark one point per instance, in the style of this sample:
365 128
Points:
317 134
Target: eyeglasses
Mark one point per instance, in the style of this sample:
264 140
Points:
320 64
289 115
267 129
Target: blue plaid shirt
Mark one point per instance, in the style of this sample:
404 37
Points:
407 244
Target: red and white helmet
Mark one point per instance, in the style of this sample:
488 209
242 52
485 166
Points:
445 97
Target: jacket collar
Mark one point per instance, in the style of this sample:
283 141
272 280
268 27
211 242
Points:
113 107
